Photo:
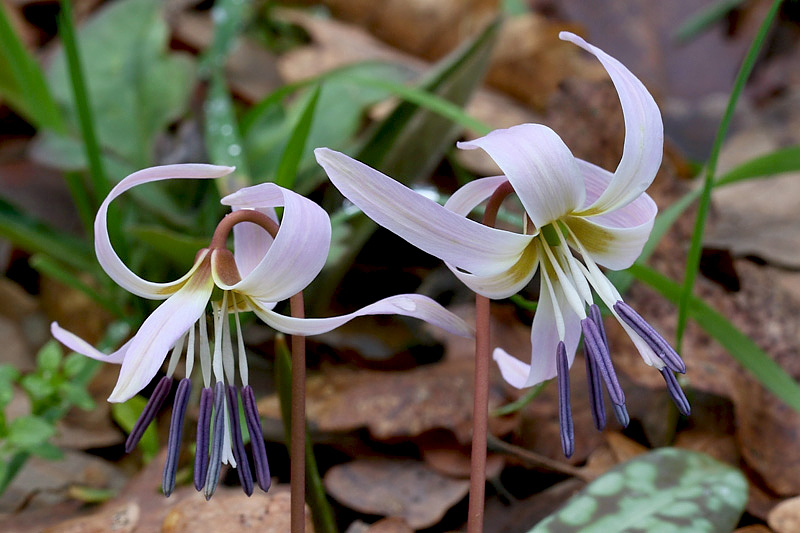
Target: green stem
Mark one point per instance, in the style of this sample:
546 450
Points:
695 249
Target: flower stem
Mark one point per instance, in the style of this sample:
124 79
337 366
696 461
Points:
297 457
480 409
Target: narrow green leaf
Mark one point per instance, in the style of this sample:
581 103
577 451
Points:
667 491
520 402
223 139
172 245
290 161
695 247
321 510
739 345
27 90
709 15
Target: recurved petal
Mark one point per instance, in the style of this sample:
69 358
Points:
505 283
298 252
106 255
76 344
411 305
465 243
544 341
614 239
251 242
539 166
148 349
471 195
644 133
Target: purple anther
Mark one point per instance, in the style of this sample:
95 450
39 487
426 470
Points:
653 338
621 414
175 435
253 420
676 392
203 435
598 403
242 464
593 341
597 316
564 407
150 411
217 441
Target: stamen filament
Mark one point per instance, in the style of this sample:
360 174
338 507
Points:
190 352
566 283
175 356
556 308
205 353
243 370
227 344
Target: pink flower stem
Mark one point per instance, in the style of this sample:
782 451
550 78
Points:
297 452
480 410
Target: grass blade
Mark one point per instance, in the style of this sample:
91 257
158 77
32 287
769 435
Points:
695 248
706 17
740 346
290 160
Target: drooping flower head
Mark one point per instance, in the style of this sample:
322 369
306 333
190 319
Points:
578 217
270 263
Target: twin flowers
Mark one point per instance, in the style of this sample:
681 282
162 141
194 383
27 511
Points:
578 217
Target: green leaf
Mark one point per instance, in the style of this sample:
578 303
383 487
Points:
739 345
667 490
48 451
177 247
76 395
49 357
136 86
290 160
27 432
709 15
126 414
223 139
36 386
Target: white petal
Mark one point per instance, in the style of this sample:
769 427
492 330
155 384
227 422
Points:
251 242
505 283
644 133
412 305
539 166
149 347
298 252
544 340
474 193
106 255
614 239
465 243
76 344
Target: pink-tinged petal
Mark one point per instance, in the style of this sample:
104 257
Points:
540 167
76 344
251 242
514 371
465 243
298 252
614 239
644 133
505 283
544 340
148 349
411 305
474 193
106 255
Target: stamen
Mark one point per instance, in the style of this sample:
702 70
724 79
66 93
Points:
227 343
243 372
545 280
205 353
150 411
676 392
621 414
190 352
175 435
215 459
242 464
577 275
594 343
203 435
597 317
177 350
216 359
570 292
654 339
253 420
595 390
564 408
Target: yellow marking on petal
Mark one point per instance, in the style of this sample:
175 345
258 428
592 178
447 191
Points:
594 238
198 262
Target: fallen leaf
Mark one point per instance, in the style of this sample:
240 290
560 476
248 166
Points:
387 525
121 518
785 517
456 463
720 446
401 488
755 528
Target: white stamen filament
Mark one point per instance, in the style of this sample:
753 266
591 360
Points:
205 353
227 449
177 350
566 283
243 371
190 352
577 275
227 345
216 359
556 308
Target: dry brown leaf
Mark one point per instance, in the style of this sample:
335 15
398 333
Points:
387 525
121 518
721 446
755 528
624 449
456 463
231 511
401 488
785 517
